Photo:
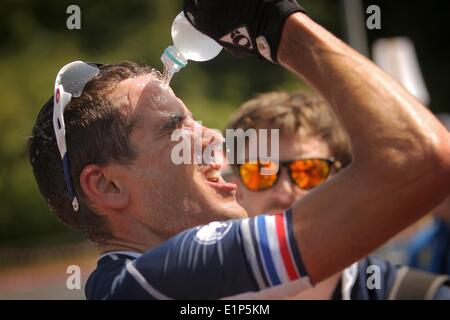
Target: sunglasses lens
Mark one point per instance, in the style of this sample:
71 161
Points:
252 178
308 174
76 76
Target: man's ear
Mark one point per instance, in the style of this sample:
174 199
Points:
102 188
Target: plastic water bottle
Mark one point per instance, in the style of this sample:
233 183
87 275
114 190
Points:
188 44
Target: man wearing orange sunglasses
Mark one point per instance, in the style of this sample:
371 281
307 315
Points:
313 147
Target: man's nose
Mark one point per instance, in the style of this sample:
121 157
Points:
213 141
211 136
283 194
284 188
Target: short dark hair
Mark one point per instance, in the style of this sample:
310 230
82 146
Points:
289 112
97 132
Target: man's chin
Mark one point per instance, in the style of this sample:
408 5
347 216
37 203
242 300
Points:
229 210
220 198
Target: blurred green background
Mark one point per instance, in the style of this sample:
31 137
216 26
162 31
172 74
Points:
35 43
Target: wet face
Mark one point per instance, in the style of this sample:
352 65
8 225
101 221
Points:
168 198
284 193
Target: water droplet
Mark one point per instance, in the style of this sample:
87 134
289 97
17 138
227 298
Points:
167 75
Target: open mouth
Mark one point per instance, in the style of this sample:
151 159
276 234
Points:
213 176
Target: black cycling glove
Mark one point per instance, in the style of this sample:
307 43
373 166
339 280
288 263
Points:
242 26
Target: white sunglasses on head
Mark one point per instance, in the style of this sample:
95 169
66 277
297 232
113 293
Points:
69 83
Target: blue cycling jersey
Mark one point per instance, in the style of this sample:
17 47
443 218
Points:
221 259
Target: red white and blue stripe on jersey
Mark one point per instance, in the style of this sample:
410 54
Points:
272 250
219 260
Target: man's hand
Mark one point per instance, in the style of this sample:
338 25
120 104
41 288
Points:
243 27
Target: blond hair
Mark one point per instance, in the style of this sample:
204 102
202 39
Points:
290 112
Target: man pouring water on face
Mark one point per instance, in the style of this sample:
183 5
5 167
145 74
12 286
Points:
176 231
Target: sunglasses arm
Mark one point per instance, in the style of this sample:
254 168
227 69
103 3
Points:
61 100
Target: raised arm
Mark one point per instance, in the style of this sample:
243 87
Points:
401 166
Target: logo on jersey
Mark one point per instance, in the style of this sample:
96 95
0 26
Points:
212 232
239 37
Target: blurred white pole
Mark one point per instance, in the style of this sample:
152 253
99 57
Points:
397 56
355 25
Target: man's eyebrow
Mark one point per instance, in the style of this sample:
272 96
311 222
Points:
174 120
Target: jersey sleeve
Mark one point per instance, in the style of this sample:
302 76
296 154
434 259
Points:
218 260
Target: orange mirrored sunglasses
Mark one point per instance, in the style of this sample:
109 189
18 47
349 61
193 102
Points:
304 173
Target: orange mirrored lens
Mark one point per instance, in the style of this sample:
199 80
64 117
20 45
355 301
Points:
252 178
308 174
